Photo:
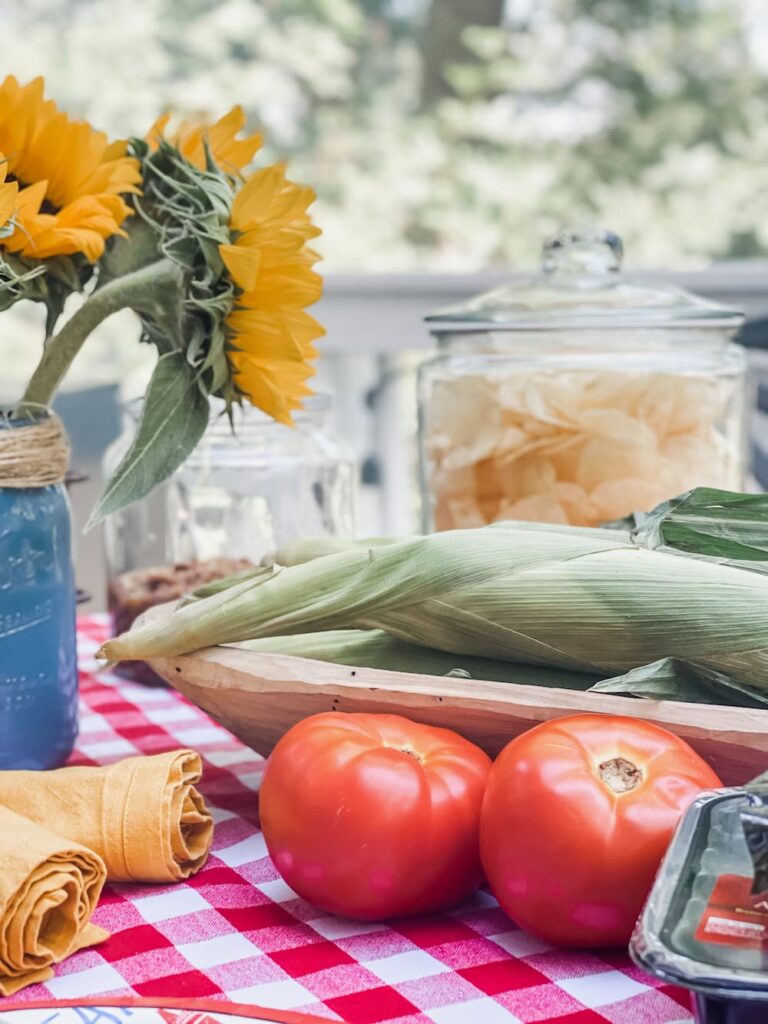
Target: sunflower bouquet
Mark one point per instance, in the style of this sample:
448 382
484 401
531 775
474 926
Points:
212 257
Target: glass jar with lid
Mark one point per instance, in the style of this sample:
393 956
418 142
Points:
247 492
578 396
249 488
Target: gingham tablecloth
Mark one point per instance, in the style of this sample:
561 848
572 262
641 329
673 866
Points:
236 933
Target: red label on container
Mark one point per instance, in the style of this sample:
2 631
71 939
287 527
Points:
735 916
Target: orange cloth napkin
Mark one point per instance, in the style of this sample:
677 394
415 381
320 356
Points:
49 887
142 816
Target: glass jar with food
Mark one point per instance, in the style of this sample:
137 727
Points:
249 488
578 396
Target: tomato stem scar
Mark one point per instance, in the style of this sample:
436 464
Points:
620 775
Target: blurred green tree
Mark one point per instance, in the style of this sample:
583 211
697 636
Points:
451 134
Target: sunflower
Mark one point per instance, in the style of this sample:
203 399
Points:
269 333
230 153
70 180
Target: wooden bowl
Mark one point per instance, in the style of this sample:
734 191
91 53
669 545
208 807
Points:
260 696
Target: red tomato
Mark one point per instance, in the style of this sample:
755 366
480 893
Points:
576 817
374 816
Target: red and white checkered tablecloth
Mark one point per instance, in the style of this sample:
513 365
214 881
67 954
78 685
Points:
237 934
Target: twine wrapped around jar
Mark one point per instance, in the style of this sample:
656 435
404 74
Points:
33 454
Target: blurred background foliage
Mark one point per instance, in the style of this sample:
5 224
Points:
450 135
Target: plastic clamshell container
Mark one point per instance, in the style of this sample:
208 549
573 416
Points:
705 925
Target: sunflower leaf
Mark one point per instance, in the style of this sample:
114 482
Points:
124 255
173 420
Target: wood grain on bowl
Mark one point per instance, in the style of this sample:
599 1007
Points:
259 696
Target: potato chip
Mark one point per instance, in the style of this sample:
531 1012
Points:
539 508
576 503
466 514
629 451
529 475
617 498
564 454
575 445
612 390
489 508
514 439
698 460
485 478
464 421
453 483
674 404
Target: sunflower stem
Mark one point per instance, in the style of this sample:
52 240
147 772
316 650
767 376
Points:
148 289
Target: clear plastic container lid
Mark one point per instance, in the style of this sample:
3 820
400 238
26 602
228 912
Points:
581 284
705 925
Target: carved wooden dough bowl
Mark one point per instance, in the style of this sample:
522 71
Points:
260 696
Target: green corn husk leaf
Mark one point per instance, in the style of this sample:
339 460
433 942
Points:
581 600
723 525
373 648
309 548
218 586
672 679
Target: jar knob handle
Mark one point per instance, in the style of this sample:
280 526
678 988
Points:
582 251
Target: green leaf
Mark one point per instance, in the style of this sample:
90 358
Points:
49 282
725 525
673 679
124 255
173 420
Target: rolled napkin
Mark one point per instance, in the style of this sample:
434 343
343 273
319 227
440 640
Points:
142 816
49 888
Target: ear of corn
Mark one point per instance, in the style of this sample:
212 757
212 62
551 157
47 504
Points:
373 648
583 600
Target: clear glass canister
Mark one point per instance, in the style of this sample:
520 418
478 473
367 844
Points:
246 493
248 489
578 396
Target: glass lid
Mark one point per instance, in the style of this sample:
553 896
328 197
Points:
581 284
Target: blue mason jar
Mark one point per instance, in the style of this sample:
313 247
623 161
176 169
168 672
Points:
38 658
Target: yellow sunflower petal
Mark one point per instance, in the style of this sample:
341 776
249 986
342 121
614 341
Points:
285 286
228 151
81 226
116 150
298 327
252 201
270 335
268 345
243 263
68 166
32 198
262 391
9 191
290 376
157 131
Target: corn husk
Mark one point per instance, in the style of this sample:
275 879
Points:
373 648
671 679
710 523
587 601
